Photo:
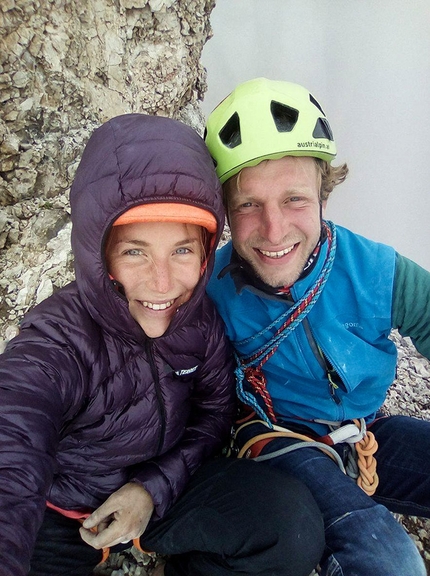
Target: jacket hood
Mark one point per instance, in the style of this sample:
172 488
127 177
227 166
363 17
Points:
130 160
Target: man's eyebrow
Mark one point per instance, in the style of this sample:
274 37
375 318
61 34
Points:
243 197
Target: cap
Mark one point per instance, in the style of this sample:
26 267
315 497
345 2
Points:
169 212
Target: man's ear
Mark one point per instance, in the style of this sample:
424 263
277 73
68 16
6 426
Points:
323 207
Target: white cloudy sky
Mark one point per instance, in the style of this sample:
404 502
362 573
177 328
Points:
368 63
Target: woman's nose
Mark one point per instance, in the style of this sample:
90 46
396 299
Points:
161 278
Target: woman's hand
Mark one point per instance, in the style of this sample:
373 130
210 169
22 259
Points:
123 517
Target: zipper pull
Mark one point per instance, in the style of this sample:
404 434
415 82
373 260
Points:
333 387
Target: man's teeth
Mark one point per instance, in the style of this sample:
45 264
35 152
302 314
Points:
277 254
162 306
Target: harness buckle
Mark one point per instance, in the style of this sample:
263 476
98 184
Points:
349 433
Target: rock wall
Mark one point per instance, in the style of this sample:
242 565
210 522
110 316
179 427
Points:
66 67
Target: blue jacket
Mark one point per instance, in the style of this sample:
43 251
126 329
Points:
345 333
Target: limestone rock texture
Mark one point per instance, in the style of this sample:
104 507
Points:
66 67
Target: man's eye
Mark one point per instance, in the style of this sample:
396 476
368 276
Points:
134 252
297 200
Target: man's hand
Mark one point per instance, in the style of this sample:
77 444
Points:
123 517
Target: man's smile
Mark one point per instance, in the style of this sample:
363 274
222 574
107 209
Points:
277 254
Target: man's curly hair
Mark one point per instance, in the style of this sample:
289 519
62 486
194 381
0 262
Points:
330 176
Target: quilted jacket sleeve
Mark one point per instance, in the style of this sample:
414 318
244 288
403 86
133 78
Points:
213 406
31 410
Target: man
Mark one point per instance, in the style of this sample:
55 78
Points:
309 307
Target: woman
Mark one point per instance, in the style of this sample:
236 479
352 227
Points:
119 391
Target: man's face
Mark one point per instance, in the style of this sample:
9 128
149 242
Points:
274 216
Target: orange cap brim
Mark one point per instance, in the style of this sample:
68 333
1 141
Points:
169 212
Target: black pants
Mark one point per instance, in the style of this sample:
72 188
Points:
235 517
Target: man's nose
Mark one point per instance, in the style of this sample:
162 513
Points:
273 224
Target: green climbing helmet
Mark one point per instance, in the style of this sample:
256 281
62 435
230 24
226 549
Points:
266 119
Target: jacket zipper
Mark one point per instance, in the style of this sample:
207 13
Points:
160 403
334 380
332 385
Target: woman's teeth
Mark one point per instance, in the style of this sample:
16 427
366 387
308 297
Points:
162 306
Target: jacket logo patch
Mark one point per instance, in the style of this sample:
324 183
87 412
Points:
186 371
349 325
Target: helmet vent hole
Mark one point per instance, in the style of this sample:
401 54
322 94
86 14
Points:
230 134
285 118
316 103
322 130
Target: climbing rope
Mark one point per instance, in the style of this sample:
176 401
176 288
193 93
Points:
361 462
250 368
368 479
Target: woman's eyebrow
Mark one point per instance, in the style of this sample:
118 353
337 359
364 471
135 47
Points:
135 242
145 243
187 241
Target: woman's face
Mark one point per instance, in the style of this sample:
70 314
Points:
158 264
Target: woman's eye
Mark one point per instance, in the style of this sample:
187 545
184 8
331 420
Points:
182 251
134 252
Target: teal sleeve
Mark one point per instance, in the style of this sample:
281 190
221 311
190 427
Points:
411 303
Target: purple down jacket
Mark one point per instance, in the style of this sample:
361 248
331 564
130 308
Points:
87 401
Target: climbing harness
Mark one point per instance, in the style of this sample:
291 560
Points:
360 464
250 368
